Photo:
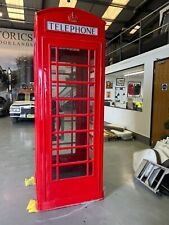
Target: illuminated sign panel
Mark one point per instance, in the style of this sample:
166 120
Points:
71 28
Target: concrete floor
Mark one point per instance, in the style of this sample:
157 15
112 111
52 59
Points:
126 201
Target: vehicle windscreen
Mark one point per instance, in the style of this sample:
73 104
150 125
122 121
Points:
21 97
2 101
32 97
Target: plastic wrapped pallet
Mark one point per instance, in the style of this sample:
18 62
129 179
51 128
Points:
125 135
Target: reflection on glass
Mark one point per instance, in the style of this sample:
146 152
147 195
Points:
75 155
53 72
54 176
92 91
90 168
72 103
75 123
91 139
91 122
91 107
73 56
72 171
72 73
53 54
126 89
74 139
73 90
92 57
73 106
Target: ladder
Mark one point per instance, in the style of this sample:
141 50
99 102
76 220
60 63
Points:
151 175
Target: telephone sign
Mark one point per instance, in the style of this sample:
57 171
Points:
63 27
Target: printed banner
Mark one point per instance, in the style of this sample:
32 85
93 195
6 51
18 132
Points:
16 59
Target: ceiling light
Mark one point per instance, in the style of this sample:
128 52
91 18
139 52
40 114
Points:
1 14
65 3
108 23
15 11
135 29
112 12
135 73
120 2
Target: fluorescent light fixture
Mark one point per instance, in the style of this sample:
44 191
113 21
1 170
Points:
65 3
120 2
108 23
135 29
17 11
112 12
134 73
1 14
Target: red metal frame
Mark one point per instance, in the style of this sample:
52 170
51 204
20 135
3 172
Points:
70 170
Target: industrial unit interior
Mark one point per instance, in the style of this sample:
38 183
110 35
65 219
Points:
84 112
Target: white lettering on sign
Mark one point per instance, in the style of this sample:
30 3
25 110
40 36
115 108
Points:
71 28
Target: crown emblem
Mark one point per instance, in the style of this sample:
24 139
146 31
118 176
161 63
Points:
72 17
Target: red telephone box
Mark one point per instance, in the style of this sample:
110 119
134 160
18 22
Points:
69 99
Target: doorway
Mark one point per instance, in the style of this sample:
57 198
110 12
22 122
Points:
160 107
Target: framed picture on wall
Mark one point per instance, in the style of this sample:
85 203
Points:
109 84
134 89
108 94
120 81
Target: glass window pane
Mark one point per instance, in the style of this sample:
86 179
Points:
56 124
73 55
54 156
72 171
125 89
73 139
90 168
72 73
73 106
73 90
92 91
54 141
91 122
53 54
74 155
91 138
54 175
21 97
92 74
92 57
53 72
54 90
91 153
75 123
92 107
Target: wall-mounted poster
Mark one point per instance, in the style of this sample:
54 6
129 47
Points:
120 81
16 61
120 97
134 89
109 85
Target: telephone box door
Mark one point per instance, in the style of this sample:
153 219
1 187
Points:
73 161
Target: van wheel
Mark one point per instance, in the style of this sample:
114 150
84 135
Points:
14 120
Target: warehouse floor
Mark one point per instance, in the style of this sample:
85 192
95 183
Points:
126 201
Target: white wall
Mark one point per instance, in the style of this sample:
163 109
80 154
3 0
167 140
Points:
138 122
